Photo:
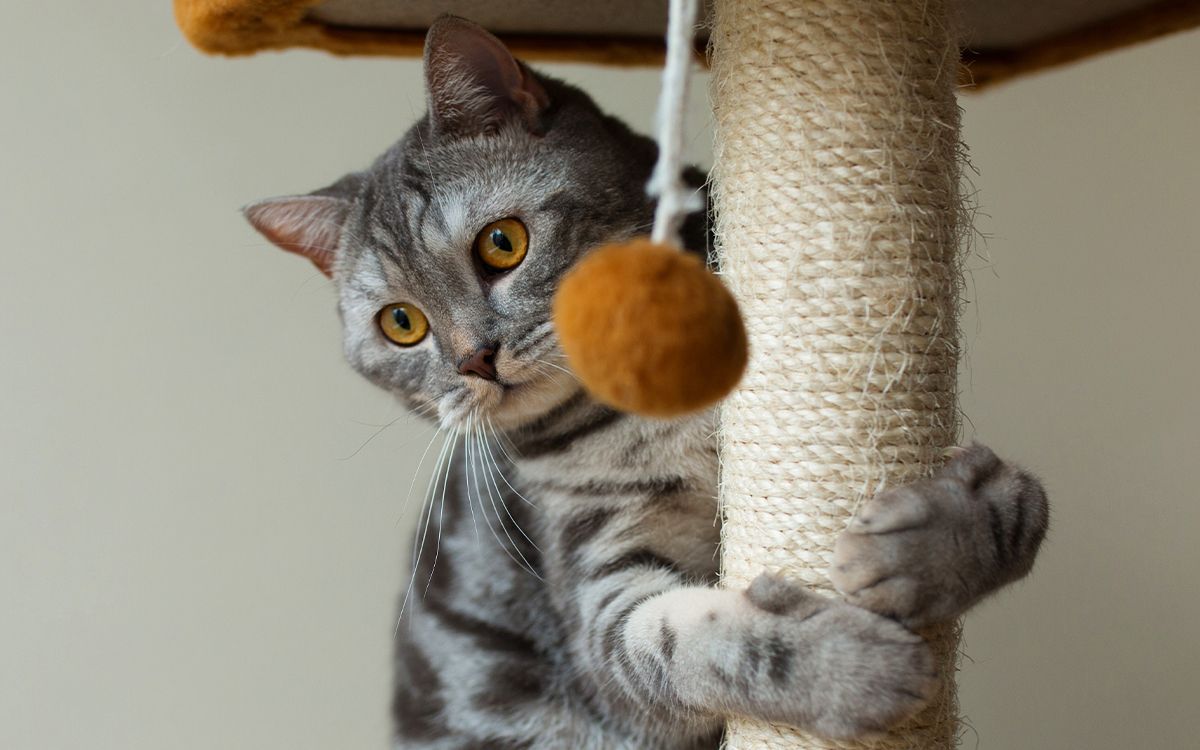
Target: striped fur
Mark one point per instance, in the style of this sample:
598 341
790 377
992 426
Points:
602 628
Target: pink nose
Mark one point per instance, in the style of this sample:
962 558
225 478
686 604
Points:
482 363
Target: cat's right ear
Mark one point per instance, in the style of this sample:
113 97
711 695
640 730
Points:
473 82
308 225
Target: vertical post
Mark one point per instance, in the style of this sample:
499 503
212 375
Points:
836 185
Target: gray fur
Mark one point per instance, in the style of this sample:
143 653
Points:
563 590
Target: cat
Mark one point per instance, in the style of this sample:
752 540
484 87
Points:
563 593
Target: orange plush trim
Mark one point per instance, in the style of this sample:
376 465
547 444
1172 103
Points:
985 68
233 27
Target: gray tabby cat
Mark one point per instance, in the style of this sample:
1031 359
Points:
563 595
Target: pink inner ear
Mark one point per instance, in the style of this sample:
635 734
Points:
306 225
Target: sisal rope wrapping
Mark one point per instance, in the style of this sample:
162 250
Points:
836 187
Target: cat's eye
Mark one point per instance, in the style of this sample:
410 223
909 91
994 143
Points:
501 245
403 324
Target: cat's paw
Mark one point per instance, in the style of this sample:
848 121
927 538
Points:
875 673
849 673
925 552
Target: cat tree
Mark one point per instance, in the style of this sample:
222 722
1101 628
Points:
837 204
838 222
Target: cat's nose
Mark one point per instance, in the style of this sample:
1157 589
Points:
481 362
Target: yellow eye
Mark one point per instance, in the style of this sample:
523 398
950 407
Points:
403 324
501 245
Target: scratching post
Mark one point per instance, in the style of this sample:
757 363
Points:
836 184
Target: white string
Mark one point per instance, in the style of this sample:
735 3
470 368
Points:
675 199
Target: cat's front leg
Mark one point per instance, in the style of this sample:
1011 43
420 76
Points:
775 651
927 551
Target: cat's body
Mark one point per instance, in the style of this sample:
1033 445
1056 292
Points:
563 593
524 643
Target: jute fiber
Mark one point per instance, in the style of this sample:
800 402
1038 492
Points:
837 202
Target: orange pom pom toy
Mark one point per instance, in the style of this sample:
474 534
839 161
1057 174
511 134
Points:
644 325
649 330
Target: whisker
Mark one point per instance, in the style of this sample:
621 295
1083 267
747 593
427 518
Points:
473 477
526 500
557 367
467 479
425 409
501 439
522 562
427 514
417 473
486 454
437 548
421 410
541 369
374 435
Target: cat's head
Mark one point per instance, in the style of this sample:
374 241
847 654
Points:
446 251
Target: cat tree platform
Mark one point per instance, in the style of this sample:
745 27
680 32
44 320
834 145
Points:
1001 39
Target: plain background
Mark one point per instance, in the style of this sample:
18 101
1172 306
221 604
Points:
202 528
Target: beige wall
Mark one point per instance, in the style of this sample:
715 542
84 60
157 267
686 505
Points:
1083 350
201 540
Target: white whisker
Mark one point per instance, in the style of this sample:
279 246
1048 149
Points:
556 367
374 435
501 439
473 474
467 479
526 500
486 453
417 473
437 548
427 514
519 559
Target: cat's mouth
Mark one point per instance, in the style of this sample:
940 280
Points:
507 402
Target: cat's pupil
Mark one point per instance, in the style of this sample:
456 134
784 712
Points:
401 318
500 240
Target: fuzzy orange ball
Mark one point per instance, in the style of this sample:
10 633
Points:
649 330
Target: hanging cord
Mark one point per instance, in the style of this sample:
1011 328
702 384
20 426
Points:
675 199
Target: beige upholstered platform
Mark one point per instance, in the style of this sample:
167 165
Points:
1000 38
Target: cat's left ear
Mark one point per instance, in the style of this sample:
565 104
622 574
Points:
308 225
473 82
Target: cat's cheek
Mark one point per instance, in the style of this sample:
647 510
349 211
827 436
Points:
389 368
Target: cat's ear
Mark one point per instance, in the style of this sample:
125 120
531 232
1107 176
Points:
473 83
308 225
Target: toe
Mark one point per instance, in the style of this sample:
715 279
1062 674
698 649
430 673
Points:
892 510
854 565
894 597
